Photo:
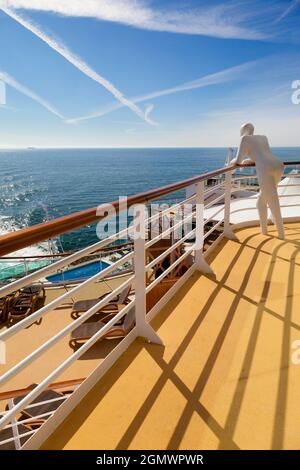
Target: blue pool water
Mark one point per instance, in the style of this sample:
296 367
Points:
80 272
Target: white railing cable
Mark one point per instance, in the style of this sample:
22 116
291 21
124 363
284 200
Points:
14 427
209 219
169 269
6 441
169 250
170 209
212 203
169 230
45 402
213 188
33 418
213 229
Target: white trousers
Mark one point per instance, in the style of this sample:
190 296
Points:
268 197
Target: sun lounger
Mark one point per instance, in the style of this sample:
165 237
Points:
4 307
40 409
8 434
54 399
25 302
83 305
85 331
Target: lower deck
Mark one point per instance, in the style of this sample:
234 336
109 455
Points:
227 376
27 340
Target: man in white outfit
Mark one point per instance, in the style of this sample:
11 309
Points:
269 171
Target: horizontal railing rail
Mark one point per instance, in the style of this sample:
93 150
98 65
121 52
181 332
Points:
19 435
23 391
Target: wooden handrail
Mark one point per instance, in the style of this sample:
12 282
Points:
30 235
24 391
296 162
103 251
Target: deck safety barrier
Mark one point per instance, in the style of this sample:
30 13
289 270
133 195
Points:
194 231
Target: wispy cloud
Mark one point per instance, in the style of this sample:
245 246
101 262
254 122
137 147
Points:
61 49
29 93
293 4
226 75
226 20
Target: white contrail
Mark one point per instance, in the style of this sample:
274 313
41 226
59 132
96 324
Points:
288 10
25 91
149 110
77 62
223 76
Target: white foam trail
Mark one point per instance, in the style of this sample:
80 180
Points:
61 49
8 226
223 76
27 92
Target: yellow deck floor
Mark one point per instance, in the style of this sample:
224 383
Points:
224 378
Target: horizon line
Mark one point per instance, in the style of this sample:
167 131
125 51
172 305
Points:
133 148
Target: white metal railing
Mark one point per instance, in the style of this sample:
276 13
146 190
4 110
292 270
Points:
236 188
55 267
193 227
8 417
14 425
16 439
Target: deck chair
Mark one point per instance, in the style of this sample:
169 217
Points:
25 302
85 331
7 433
4 307
83 305
40 409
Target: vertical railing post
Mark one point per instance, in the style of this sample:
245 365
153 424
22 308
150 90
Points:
142 326
200 262
25 267
228 232
15 429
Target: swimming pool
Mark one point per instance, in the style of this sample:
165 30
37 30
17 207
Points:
79 272
12 270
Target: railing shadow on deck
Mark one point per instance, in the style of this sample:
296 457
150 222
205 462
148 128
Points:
141 266
224 433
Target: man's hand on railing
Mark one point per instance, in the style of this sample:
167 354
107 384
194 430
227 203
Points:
245 163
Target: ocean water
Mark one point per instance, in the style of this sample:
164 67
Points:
38 185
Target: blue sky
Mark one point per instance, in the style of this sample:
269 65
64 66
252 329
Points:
148 73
